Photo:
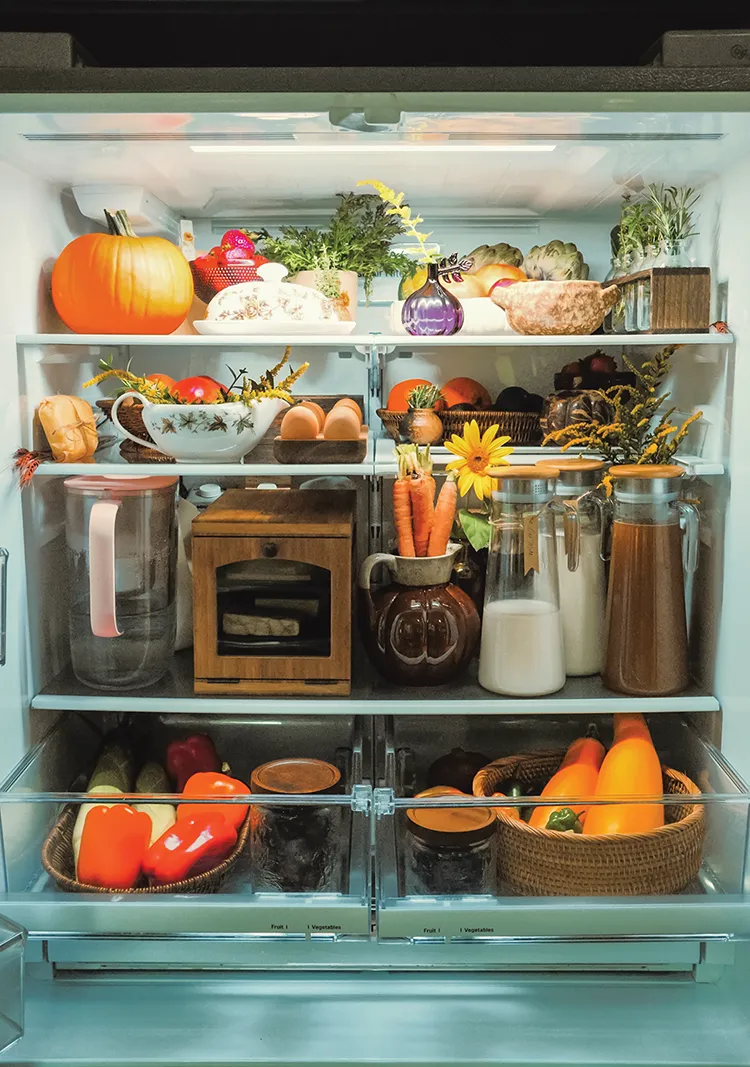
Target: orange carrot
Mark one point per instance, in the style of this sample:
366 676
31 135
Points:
423 512
445 513
402 516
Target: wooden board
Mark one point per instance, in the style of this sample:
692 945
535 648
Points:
264 513
321 451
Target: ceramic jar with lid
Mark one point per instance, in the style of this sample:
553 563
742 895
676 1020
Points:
297 849
449 851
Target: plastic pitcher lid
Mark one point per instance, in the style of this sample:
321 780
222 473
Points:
132 483
295 776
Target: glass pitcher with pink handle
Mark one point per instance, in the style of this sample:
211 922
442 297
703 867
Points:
122 555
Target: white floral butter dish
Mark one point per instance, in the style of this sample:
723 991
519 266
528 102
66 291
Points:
271 306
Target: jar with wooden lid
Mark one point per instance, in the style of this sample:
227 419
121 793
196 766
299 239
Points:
449 851
298 849
581 569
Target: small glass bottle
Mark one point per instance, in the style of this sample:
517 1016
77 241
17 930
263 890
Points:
581 564
432 311
631 293
614 271
643 312
522 641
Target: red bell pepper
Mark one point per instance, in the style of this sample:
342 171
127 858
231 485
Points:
189 755
113 846
214 785
190 847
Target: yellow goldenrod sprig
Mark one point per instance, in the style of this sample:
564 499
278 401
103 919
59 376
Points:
409 222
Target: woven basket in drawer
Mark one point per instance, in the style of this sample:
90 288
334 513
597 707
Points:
535 862
522 427
57 860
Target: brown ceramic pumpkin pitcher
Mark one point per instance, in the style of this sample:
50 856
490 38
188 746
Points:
421 629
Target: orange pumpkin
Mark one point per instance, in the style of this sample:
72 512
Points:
118 283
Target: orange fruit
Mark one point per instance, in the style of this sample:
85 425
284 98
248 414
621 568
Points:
397 397
466 391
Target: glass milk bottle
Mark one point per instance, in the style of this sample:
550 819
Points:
522 640
581 564
650 581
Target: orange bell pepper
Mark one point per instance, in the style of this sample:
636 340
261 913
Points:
210 784
113 845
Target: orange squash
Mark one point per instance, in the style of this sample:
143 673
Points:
577 776
631 768
118 283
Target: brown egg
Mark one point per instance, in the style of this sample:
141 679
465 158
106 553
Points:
299 424
347 402
342 424
317 410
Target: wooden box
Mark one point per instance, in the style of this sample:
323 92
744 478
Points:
272 593
680 298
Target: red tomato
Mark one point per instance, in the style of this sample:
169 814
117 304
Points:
162 379
200 388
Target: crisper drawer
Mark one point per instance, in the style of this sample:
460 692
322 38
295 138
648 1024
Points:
304 872
438 887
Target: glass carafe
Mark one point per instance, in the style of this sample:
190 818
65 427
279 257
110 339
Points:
650 581
581 566
522 642
122 555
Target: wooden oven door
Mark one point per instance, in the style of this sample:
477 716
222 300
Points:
300 587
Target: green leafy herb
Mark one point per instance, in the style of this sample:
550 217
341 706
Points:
476 529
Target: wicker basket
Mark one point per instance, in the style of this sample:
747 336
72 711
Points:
130 416
57 860
522 427
534 862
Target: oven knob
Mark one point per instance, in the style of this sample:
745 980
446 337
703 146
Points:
270 550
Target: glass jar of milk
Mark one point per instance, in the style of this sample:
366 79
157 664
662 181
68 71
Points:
580 564
522 639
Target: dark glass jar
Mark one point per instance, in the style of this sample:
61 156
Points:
449 851
297 850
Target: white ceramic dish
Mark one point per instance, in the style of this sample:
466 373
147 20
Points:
204 433
256 327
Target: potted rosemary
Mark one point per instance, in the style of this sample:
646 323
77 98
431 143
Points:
355 244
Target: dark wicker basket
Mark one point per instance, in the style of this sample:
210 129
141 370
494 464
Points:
130 416
522 427
57 860
534 862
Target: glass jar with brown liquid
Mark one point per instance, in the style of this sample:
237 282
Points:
650 581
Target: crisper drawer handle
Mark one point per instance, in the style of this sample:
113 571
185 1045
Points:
3 603
102 568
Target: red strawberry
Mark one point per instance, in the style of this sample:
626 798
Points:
238 239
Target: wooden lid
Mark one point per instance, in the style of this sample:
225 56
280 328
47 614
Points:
295 776
565 465
450 826
279 513
647 470
538 472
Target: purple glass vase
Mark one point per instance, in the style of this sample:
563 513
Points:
432 311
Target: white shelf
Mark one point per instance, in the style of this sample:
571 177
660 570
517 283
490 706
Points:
114 466
371 696
339 341
385 459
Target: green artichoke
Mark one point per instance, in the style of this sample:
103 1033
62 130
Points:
499 253
555 262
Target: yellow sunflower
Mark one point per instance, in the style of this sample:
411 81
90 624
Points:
478 452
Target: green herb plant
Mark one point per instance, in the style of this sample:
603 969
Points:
358 238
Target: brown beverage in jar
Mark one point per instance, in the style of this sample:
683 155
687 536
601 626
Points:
647 647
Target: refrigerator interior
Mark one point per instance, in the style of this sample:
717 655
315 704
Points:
479 171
